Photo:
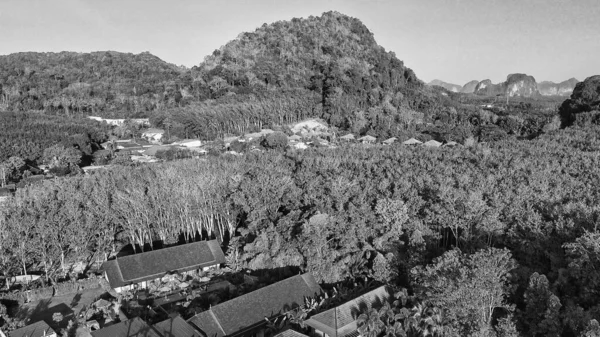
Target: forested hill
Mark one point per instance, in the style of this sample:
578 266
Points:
328 66
106 83
333 59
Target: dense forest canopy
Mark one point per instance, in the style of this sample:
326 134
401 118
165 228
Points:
99 83
414 217
499 236
27 135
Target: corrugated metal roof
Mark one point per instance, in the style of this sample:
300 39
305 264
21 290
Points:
154 264
412 141
37 329
290 333
432 143
246 311
341 321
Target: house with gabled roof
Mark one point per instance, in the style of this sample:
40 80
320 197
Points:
412 141
135 327
127 272
245 315
290 333
153 135
389 141
37 329
432 143
341 321
176 327
368 139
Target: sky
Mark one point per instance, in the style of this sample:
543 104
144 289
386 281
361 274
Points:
453 40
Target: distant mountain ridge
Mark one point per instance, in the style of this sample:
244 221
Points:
445 85
516 84
564 88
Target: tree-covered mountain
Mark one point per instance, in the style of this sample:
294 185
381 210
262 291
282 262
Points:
104 83
583 107
333 59
352 82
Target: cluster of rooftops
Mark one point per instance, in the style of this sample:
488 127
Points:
241 316
245 315
412 141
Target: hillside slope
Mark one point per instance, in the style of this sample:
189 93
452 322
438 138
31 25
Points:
328 66
104 83
469 87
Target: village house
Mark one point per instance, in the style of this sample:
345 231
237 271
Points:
245 315
290 333
389 141
135 327
412 141
341 321
153 135
367 139
432 143
176 327
37 329
349 137
134 271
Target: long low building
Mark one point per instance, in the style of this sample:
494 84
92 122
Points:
341 321
127 272
245 315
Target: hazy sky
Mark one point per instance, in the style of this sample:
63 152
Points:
453 40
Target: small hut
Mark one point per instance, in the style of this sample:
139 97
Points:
412 141
367 139
349 137
432 143
389 141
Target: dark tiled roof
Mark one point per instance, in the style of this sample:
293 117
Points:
135 327
290 333
341 321
246 311
208 324
154 264
37 329
176 327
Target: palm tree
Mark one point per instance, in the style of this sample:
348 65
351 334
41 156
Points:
386 314
394 329
424 321
370 324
